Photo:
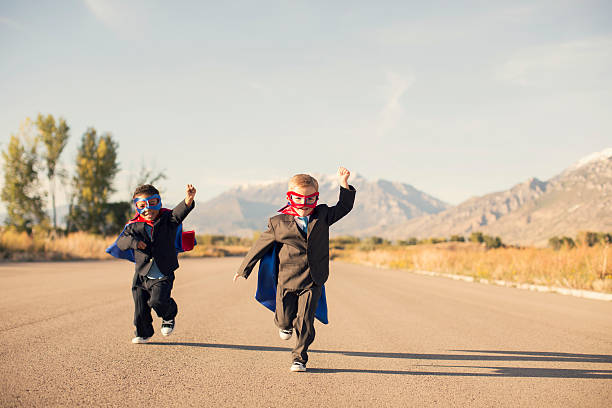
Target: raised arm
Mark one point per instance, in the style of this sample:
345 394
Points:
180 212
257 251
346 199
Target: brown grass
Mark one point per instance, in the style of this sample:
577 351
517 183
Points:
20 246
578 268
582 267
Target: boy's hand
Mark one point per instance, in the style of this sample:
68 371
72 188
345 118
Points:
343 175
141 245
236 276
190 193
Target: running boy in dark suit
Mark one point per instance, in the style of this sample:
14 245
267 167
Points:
302 230
152 234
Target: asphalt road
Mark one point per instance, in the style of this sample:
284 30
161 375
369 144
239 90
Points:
394 339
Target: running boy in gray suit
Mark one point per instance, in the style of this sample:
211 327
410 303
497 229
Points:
302 230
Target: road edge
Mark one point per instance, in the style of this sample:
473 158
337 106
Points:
586 294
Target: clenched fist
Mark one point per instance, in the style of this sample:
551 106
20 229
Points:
343 175
190 193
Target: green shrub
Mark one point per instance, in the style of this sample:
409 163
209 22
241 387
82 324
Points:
457 238
409 241
557 243
477 237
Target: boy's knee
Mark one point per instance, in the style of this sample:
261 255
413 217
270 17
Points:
156 303
283 322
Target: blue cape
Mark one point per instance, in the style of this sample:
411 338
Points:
266 285
128 254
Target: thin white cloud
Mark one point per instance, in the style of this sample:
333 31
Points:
516 13
392 111
15 25
258 86
572 64
104 10
448 28
121 17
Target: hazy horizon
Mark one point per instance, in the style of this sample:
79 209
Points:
458 100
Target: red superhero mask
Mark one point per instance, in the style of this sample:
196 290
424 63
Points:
297 201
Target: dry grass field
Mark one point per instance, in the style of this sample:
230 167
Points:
20 246
582 267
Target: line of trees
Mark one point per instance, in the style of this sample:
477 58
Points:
37 150
372 242
477 237
583 238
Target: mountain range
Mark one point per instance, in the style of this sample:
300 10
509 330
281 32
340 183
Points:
245 209
579 198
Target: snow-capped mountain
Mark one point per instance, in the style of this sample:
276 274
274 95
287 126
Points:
580 198
379 205
602 156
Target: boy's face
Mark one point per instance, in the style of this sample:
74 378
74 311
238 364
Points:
303 190
145 211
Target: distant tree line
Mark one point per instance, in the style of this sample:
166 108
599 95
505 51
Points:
34 155
583 238
370 243
476 237
212 239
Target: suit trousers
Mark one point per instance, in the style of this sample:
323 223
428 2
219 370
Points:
295 309
152 294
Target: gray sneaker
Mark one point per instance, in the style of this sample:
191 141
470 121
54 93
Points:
298 366
140 340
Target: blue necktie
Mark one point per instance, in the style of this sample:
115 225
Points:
304 224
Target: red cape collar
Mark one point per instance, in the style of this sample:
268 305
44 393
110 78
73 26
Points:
140 218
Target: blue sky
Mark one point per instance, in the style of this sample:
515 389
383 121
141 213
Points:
456 98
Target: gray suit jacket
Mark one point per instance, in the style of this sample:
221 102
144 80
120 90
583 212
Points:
298 252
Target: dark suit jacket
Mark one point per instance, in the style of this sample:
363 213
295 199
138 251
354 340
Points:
161 245
298 252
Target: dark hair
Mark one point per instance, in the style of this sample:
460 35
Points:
146 190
